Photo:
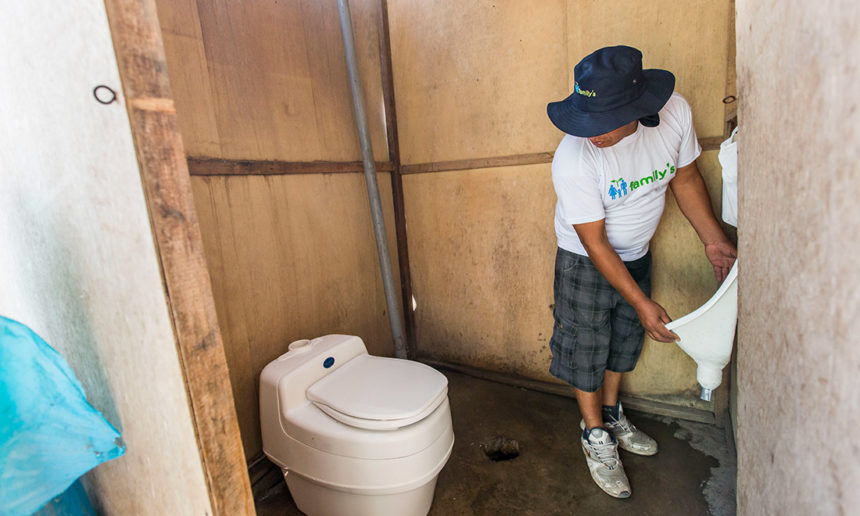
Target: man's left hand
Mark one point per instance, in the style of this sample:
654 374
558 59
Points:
722 256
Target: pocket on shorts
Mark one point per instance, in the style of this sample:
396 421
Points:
567 261
581 298
562 345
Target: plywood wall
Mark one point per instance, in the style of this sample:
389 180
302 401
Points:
481 255
268 80
798 356
690 39
290 256
472 81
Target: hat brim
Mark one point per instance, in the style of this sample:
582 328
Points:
563 114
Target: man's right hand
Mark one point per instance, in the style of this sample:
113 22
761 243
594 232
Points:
654 319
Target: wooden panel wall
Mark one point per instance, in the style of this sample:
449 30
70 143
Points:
290 256
690 39
268 80
473 81
481 255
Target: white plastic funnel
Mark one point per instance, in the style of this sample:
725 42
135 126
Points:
708 333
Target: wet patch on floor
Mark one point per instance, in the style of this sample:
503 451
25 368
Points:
720 488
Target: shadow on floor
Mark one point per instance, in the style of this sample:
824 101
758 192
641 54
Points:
693 473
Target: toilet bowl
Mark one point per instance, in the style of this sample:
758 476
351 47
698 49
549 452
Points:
354 433
707 334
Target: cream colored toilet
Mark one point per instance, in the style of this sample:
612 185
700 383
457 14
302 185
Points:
355 434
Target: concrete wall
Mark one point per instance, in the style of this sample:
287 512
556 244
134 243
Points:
77 260
798 362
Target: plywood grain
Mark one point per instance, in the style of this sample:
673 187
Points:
291 257
689 38
473 78
267 80
482 249
189 76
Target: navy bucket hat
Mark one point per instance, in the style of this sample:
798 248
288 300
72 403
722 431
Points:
610 90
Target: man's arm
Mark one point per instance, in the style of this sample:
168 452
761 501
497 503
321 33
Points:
692 196
603 256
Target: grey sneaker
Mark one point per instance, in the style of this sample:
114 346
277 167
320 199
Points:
629 437
601 455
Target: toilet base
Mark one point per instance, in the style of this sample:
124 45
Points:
314 499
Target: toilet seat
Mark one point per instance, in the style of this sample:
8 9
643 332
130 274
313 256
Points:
377 393
381 424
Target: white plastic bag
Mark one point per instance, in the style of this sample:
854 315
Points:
729 160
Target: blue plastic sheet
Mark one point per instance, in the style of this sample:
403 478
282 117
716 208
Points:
49 434
74 502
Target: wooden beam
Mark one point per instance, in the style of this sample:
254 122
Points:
711 142
161 158
708 143
385 68
227 167
471 164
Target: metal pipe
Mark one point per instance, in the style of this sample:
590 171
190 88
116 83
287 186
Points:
370 179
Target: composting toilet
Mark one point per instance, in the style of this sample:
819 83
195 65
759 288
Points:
353 433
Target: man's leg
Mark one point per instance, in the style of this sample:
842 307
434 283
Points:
599 447
609 390
626 344
590 405
580 348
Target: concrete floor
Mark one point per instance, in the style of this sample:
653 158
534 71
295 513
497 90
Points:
692 474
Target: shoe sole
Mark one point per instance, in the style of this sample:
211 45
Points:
622 495
638 452
622 446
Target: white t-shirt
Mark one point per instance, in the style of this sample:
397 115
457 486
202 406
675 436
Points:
625 183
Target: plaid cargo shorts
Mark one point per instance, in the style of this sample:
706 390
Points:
595 328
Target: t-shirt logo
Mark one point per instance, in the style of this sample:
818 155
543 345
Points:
618 188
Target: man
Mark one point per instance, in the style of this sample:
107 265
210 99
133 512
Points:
628 138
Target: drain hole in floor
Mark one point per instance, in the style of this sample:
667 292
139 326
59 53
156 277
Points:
501 448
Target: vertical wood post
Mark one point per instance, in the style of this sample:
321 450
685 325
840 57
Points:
167 187
396 177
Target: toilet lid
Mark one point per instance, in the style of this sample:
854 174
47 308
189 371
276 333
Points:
379 393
